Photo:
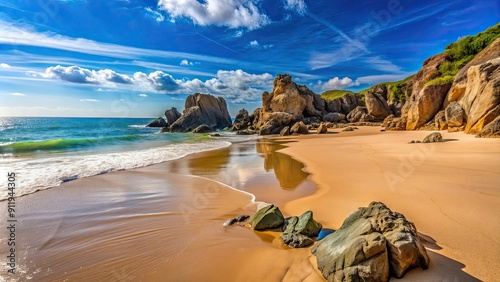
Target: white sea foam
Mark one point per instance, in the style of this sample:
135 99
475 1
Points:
43 173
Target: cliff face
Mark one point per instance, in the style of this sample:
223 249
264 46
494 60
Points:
469 101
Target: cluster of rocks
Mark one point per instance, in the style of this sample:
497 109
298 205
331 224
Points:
373 244
203 113
470 103
295 109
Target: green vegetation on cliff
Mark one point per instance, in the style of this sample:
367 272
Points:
396 90
333 94
441 80
465 49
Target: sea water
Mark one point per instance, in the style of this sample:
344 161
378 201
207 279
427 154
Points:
44 152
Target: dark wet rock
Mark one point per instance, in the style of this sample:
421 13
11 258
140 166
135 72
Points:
300 230
237 220
268 217
334 117
242 120
159 122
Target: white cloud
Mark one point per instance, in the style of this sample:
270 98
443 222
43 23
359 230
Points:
235 85
230 13
256 44
238 33
17 94
188 63
4 65
143 95
298 5
89 100
157 16
336 83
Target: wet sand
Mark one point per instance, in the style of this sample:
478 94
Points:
164 222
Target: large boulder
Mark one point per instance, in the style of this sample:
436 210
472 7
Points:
424 105
360 114
159 122
440 121
268 217
372 244
349 102
273 123
377 105
203 109
428 72
491 130
433 138
172 115
299 231
482 95
202 129
334 117
454 114
334 106
286 97
460 83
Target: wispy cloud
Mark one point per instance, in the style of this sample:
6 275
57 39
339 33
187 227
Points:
4 65
230 13
157 16
297 5
89 100
188 63
17 94
143 95
25 35
374 79
378 63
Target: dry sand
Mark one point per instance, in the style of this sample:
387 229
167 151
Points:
164 222
450 190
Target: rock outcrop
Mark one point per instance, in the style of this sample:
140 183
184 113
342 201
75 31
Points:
360 114
372 244
377 105
159 122
454 114
492 130
172 115
482 95
440 122
457 90
334 117
202 129
322 129
424 105
203 109
242 120
268 217
299 231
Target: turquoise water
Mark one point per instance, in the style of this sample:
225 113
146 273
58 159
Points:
45 152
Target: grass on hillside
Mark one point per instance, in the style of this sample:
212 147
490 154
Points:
333 94
441 80
396 89
465 49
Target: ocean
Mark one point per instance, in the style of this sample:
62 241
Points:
44 152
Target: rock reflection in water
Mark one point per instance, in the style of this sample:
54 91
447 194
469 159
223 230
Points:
287 170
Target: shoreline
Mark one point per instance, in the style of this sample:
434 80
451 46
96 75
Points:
122 211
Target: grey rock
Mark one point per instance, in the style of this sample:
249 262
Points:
172 115
285 131
268 217
433 137
334 117
159 122
237 220
299 128
202 129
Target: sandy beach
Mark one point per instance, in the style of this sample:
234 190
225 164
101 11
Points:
165 222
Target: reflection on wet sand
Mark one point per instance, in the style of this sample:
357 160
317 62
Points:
288 171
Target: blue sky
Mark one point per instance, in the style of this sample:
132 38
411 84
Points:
136 58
